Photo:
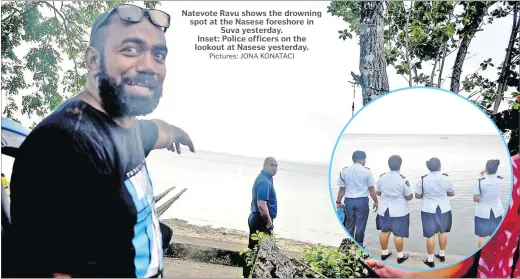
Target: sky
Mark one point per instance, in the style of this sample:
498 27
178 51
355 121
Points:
290 109
421 111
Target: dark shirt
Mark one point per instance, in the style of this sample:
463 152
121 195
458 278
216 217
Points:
82 199
263 190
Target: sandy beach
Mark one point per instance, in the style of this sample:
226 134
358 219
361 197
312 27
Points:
223 238
183 228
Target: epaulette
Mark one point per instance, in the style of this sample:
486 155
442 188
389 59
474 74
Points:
445 174
500 177
367 168
382 174
344 168
482 178
405 181
424 176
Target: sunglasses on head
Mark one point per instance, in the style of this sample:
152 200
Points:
134 14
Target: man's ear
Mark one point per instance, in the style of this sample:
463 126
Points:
93 59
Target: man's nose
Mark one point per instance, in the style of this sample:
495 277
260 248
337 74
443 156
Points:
147 64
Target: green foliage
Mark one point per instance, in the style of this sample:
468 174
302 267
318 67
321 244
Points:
55 32
349 11
429 31
333 263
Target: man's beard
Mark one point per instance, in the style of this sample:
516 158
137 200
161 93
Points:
117 103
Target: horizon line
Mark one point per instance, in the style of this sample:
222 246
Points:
410 134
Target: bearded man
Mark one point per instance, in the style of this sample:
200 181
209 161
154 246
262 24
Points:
96 217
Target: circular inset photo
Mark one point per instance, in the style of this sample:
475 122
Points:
420 178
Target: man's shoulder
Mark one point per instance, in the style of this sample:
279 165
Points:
261 179
73 121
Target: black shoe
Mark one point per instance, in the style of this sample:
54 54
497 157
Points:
384 257
428 263
403 258
442 258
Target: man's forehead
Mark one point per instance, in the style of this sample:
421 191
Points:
144 29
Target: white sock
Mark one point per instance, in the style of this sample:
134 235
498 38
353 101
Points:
384 252
430 257
442 253
400 254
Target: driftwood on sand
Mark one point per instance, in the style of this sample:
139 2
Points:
163 194
163 207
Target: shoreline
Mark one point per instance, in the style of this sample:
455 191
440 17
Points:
219 237
184 228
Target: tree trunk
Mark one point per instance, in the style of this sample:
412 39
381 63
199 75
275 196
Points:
502 80
476 20
270 262
372 64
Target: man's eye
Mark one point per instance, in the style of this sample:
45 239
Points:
130 50
160 56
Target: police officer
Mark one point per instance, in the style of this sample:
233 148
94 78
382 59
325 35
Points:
393 215
434 189
355 183
489 209
264 205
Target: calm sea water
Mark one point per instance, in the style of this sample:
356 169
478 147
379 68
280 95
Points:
219 193
462 158
219 186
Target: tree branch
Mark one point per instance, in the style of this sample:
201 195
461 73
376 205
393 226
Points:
432 76
441 68
406 43
507 60
67 33
15 12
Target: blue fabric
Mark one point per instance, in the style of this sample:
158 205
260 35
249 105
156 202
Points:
341 214
356 217
263 190
486 227
399 226
436 222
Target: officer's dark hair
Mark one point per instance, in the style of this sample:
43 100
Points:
358 155
492 166
3 174
434 164
394 162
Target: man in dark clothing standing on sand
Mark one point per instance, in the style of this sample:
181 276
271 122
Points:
97 218
263 205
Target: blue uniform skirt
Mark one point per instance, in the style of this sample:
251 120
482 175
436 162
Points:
486 227
399 226
436 222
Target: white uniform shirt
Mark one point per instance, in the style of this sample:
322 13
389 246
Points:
393 187
436 187
355 179
488 190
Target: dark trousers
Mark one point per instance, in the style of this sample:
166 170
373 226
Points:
356 217
256 223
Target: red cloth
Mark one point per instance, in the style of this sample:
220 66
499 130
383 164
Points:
496 257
